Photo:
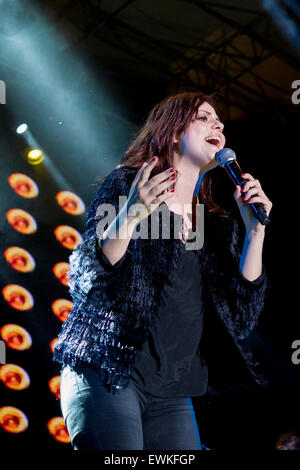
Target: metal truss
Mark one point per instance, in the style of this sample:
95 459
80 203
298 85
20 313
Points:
227 67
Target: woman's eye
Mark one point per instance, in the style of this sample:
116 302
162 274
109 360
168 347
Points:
202 118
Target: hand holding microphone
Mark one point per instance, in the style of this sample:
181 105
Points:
255 198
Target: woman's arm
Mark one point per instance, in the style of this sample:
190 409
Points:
242 284
87 261
251 258
117 236
246 292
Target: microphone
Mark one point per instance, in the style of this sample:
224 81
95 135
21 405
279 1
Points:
226 158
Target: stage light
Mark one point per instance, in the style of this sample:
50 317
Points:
18 297
13 420
57 428
21 221
22 128
23 185
35 157
15 337
14 377
34 154
68 236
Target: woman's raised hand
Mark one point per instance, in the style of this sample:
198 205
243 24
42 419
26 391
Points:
149 193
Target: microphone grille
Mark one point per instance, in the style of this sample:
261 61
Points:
224 156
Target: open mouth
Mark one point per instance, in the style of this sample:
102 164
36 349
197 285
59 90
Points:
213 140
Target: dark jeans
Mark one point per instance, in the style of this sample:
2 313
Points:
130 419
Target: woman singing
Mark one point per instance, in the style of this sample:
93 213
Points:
131 347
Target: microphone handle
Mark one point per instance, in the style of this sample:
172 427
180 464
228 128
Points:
235 173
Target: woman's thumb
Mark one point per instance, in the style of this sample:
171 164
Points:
139 172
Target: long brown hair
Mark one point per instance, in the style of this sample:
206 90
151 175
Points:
171 116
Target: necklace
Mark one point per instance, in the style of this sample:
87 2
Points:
185 231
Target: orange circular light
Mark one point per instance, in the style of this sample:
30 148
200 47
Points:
14 377
13 420
52 343
17 297
68 236
61 308
21 221
61 271
15 337
23 185
57 428
70 202
54 385
19 259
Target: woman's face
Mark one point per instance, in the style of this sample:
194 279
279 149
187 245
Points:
204 136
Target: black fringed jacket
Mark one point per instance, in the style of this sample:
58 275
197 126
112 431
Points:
114 306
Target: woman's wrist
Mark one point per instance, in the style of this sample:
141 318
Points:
257 232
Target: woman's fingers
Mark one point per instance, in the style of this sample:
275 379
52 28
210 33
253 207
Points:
152 192
256 199
141 190
251 192
250 183
158 183
163 185
251 187
146 170
162 197
137 176
247 176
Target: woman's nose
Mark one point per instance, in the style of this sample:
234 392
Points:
218 125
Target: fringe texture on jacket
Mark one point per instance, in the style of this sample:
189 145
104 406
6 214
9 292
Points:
114 306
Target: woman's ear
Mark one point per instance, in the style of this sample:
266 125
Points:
176 138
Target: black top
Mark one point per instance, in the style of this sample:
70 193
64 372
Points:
169 364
